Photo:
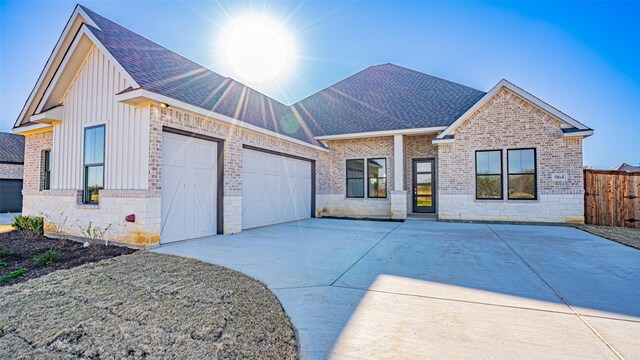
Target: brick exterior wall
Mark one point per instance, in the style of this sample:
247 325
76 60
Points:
331 199
11 171
507 121
34 147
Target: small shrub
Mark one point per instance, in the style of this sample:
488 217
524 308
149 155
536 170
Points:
4 253
29 226
12 275
3 264
47 258
94 233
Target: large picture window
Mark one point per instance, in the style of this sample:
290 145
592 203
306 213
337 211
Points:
93 163
489 174
355 178
377 178
46 170
521 174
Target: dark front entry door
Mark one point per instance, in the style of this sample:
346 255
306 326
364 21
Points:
424 189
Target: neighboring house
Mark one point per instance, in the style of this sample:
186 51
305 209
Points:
11 170
627 167
135 129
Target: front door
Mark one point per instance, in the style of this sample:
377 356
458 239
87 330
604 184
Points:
424 190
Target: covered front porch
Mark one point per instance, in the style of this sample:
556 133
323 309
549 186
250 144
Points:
405 171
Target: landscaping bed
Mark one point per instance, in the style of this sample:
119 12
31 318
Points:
28 256
625 236
144 305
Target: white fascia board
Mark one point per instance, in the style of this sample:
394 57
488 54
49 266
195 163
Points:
142 95
55 114
585 133
383 133
30 128
84 31
520 92
437 141
67 28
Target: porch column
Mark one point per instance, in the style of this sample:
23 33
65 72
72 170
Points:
398 194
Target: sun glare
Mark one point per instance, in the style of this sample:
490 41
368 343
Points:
257 49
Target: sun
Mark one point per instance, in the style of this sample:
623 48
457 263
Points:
257 49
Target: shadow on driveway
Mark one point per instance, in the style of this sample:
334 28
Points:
362 289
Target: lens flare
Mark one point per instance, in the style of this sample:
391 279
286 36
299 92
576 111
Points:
257 49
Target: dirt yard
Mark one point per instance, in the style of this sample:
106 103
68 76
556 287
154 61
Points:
144 305
18 252
626 236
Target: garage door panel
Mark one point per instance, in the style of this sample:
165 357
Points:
189 188
275 189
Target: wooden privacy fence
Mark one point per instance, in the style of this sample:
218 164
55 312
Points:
612 198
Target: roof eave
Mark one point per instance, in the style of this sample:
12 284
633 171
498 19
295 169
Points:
140 96
414 131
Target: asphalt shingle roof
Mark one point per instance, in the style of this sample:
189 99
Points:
379 98
11 148
164 72
386 97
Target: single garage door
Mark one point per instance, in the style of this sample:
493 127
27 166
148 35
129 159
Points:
189 180
10 195
275 189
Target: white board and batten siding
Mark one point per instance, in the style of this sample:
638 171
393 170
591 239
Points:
275 189
90 101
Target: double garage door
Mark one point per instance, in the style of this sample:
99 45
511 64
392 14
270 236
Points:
275 188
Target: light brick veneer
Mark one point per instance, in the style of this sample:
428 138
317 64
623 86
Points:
11 171
331 198
507 121
34 146
234 138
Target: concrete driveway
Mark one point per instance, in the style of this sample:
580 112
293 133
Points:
425 289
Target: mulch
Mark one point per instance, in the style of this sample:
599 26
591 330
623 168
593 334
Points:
23 248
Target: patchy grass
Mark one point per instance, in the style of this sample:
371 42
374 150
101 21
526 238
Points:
625 236
40 255
144 305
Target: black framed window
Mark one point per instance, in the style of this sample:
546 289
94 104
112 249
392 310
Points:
521 170
93 163
377 178
355 178
46 170
489 174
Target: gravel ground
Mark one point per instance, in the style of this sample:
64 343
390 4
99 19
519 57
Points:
144 305
626 236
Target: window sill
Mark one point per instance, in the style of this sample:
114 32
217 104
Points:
88 206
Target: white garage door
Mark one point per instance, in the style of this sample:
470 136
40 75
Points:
188 188
275 189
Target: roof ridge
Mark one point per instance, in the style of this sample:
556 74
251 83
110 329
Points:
332 85
433 76
93 13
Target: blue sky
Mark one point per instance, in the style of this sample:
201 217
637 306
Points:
581 57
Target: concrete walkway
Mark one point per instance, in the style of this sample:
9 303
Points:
424 289
7 218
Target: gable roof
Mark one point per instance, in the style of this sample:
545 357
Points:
627 167
11 148
580 128
386 97
162 71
